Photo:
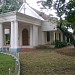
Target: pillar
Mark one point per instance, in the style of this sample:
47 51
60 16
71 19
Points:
35 35
54 36
43 37
14 36
31 37
1 36
57 35
61 36
39 35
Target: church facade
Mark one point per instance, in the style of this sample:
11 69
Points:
27 29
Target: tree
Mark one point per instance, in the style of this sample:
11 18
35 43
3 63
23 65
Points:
63 8
70 15
45 4
10 5
60 7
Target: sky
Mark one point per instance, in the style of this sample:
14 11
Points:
33 4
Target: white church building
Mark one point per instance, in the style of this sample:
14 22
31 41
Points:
27 29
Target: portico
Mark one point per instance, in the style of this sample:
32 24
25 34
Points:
22 30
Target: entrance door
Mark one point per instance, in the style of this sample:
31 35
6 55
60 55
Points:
25 39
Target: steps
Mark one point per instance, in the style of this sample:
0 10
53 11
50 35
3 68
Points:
26 49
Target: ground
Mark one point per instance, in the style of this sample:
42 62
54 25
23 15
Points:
48 62
6 62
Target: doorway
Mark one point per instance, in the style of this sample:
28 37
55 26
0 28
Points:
25 38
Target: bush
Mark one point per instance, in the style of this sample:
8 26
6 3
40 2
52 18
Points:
59 44
40 47
44 47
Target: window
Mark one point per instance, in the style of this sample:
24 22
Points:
48 36
7 36
7 39
59 36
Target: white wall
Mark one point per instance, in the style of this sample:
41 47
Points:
48 26
21 27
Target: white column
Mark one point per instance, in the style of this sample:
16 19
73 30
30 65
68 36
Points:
43 37
40 35
1 36
61 37
57 36
16 38
14 35
35 35
31 37
54 36
52 39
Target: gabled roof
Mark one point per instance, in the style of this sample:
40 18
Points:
42 14
27 10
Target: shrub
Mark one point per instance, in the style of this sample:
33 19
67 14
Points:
44 47
59 44
41 47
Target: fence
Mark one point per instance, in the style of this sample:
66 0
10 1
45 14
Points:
7 51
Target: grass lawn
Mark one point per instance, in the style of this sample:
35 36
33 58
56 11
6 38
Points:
6 62
46 62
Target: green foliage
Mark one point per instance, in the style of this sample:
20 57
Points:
6 62
59 44
70 14
10 5
47 46
45 4
59 6
71 4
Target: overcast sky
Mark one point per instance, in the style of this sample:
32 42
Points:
33 4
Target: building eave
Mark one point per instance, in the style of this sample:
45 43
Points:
11 16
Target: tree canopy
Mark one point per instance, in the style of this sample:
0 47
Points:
70 15
58 5
62 8
10 5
